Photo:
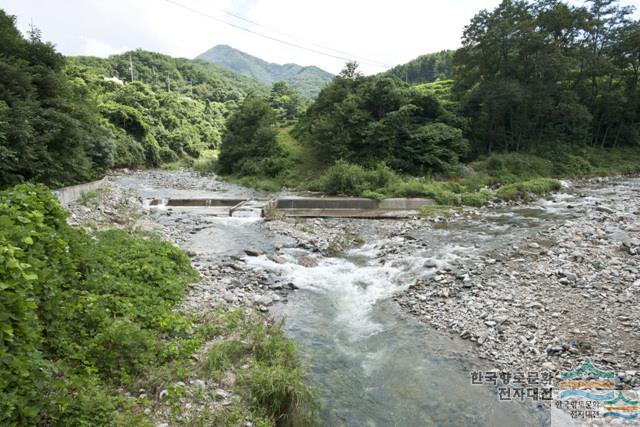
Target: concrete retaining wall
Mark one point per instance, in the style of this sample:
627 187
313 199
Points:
405 204
326 203
204 202
332 203
67 195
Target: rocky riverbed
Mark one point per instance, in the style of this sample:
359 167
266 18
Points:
536 287
559 295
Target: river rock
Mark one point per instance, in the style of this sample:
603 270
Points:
264 300
253 252
277 259
307 261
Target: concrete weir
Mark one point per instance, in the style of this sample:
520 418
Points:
319 207
349 207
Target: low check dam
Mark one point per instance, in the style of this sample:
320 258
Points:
311 207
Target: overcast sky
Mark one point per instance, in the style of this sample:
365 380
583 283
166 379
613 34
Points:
388 32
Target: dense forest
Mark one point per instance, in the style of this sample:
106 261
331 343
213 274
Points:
546 76
67 120
538 89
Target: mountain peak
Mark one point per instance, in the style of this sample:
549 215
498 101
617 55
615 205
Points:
308 80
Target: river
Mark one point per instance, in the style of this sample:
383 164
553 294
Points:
372 364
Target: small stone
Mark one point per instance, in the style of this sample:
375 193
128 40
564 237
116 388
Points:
307 261
555 349
253 252
265 300
277 259
200 384
534 245
221 394
605 209
430 264
163 394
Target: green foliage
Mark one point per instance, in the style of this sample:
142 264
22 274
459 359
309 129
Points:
249 146
223 355
151 125
367 120
426 68
508 168
307 81
347 179
477 199
538 75
274 382
526 189
49 129
80 313
286 102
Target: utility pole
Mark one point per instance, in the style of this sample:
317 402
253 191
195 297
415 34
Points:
155 78
168 83
131 67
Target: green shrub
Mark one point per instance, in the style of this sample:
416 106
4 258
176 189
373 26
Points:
512 167
167 155
221 356
477 199
78 311
274 383
79 400
121 350
572 165
343 179
524 190
346 179
369 194
279 392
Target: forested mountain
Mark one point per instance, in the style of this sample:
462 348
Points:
196 78
306 80
426 68
65 120
174 108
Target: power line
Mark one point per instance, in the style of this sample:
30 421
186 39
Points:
206 15
235 15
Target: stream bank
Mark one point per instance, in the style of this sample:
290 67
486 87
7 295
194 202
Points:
537 286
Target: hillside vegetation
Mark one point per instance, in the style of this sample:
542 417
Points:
540 90
306 80
66 120
89 320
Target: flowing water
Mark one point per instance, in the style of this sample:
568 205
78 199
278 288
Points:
372 365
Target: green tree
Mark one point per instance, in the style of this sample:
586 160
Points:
368 120
249 144
286 102
49 126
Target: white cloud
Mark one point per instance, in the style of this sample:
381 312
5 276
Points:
93 47
391 32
